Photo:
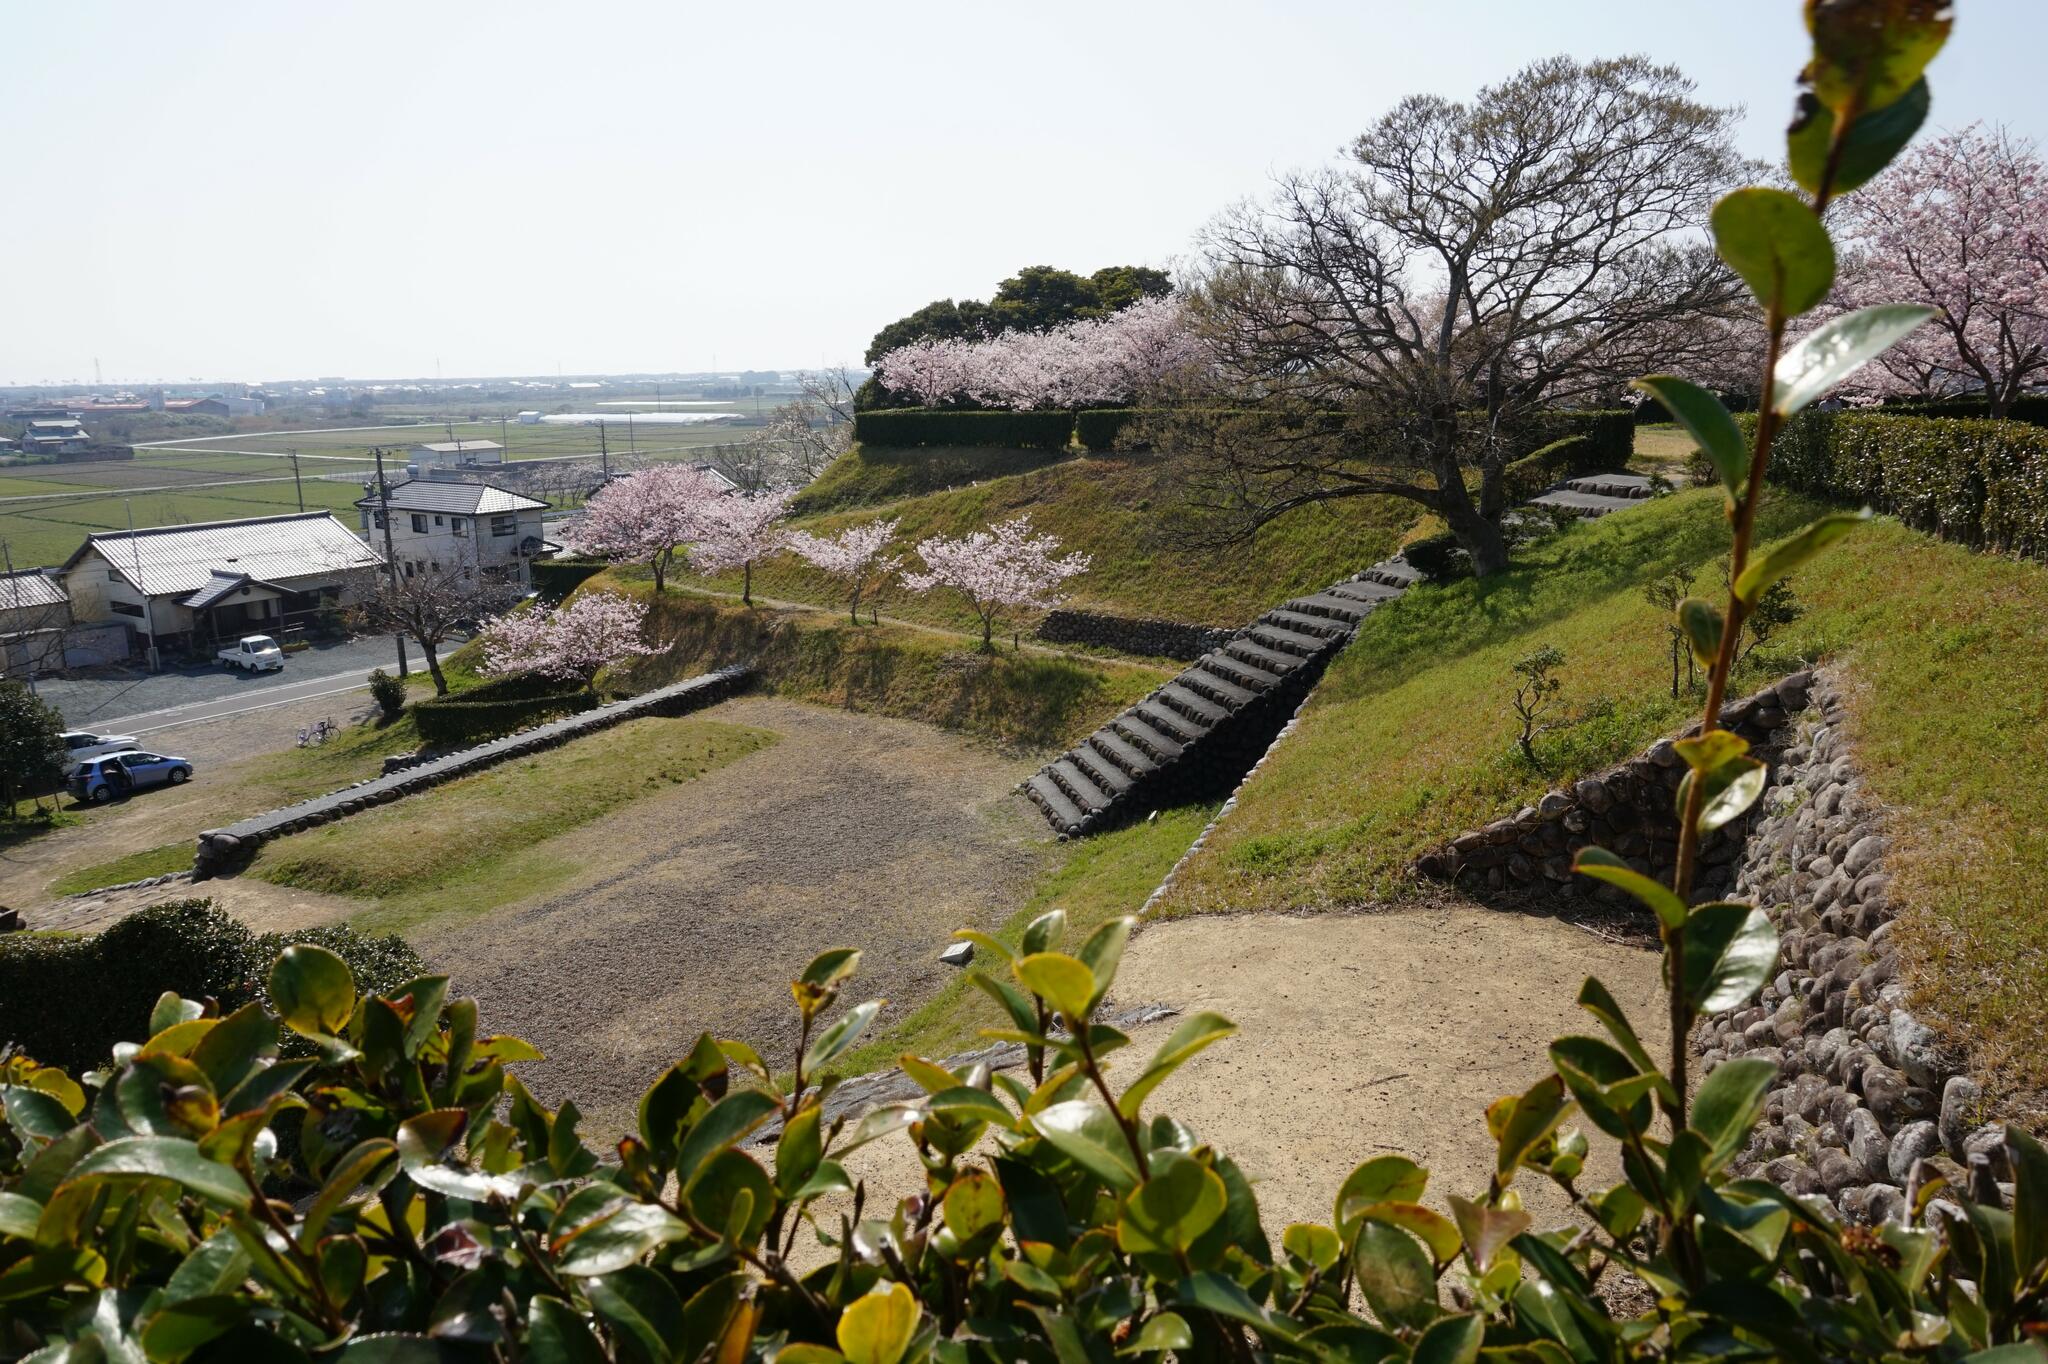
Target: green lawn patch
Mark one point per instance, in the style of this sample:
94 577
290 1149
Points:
477 843
134 867
1113 507
1102 877
1409 740
1018 699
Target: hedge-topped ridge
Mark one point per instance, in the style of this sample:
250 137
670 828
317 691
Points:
555 579
1611 430
498 707
1984 483
2030 408
66 1001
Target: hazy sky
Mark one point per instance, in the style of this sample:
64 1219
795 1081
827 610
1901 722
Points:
265 190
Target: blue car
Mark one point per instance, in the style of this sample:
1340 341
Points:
118 774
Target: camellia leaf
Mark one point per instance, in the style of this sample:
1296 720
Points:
1837 349
1453 1340
1383 1179
1727 1105
1045 930
1701 623
1595 1000
1729 952
2029 1161
972 1205
619 1236
1603 865
1211 1292
877 1328
1705 752
557 1333
641 1307
1194 1032
1485 1230
1395 1275
18 1215
1088 1134
1873 140
1867 54
1169 1212
1432 1228
965 1101
172 1158
1103 951
1782 559
1013 1000
1314 1244
839 1038
1706 421
1730 789
727 1123
1162 1332
312 990
1062 981
1773 240
1537 1113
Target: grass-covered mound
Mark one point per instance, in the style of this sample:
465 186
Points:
1028 699
1410 738
1114 507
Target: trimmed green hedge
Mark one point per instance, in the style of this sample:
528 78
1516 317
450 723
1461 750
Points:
1561 459
2032 409
67 1000
914 426
555 579
1983 483
1610 430
1096 430
498 707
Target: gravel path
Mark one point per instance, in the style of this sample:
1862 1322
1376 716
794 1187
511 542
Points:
700 905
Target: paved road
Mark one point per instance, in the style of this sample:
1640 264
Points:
133 701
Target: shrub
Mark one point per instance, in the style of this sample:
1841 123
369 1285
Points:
555 579
1561 459
926 426
2030 408
1983 483
1611 433
1437 557
388 692
1097 429
497 708
68 1000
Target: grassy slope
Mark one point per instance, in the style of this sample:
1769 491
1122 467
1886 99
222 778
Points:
870 477
1108 507
479 842
1409 739
1100 878
1026 700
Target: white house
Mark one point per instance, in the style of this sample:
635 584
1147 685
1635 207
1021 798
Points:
438 525
457 453
190 586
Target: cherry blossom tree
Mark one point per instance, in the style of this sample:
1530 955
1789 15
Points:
1961 223
1004 568
645 516
570 642
858 554
1085 363
733 531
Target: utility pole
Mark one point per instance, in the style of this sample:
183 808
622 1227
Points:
390 554
297 486
631 443
604 452
148 603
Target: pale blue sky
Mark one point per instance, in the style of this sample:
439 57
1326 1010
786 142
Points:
264 190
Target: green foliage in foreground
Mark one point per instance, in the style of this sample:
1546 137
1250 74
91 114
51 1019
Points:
439 1211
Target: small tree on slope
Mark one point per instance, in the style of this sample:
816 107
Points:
858 554
645 516
571 642
732 532
1003 568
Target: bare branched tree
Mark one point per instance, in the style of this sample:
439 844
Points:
430 605
1389 322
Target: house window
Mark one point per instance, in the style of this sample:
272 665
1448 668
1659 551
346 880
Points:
113 576
409 566
437 521
455 524
377 520
504 525
419 524
124 608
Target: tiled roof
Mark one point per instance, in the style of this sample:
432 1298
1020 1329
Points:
463 499
221 585
29 590
184 559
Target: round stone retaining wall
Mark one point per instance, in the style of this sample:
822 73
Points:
1133 635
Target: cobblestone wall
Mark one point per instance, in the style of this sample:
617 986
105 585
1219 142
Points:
1133 635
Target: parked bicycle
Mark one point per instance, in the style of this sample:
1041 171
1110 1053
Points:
318 734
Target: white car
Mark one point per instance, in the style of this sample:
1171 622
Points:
257 653
79 745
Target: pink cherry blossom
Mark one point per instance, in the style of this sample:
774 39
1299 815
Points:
571 642
645 516
1089 363
1961 223
857 554
735 530
1003 568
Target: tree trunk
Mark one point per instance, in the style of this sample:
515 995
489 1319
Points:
747 583
434 667
660 567
1477 536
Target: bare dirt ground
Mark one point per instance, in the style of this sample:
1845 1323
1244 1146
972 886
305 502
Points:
698 906
1360 1036
166 814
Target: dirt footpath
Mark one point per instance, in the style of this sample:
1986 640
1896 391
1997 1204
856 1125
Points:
1359 1036
699 905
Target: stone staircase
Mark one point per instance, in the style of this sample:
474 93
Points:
1592 495
1209 724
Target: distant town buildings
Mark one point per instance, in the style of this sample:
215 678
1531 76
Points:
457 453
54 436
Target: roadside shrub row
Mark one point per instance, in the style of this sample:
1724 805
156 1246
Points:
1982 483
67 1000
498 707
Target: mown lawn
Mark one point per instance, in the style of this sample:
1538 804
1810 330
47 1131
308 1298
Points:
1102 877
1113 507
1410 738
1024 700
477 843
